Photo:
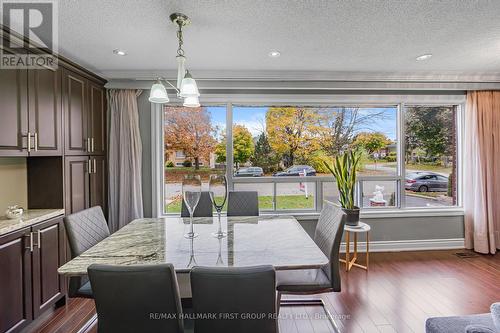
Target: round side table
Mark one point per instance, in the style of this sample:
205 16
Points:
360 228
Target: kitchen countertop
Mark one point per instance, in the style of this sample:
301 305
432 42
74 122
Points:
29 217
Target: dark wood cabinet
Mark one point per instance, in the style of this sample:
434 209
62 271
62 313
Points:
97 119
13 112
75 114
15 281
48 255
45 112
77 183
98 183
85 183
85 114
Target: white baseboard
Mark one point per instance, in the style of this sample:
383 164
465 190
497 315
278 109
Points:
408 245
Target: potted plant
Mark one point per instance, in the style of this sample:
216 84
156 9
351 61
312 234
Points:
344 171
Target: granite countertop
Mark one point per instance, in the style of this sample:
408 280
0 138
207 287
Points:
29 217
273 240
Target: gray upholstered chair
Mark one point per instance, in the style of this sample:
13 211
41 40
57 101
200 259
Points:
84 230
243 203
480 323
136 298
235 290
203 209
328 236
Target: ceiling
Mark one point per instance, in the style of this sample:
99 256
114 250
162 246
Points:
313 36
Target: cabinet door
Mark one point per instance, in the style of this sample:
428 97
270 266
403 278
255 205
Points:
45 112
13 112
75 114
98 183
15 281
97 115
76 185
48 256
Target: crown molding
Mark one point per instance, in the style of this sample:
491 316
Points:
332 76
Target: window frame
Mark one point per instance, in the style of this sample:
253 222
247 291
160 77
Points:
398 101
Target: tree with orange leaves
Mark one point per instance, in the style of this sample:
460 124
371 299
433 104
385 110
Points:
190 130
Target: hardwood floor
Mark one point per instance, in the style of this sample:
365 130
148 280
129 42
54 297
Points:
397 294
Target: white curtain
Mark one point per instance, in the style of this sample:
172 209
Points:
482 171
125 158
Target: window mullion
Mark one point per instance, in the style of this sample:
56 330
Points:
401 197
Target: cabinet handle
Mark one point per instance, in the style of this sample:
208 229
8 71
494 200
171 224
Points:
39 243
95 167
89 167
29 142
92 145
88 144
36 141
30 241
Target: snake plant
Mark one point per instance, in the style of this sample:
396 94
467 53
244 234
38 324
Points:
344 171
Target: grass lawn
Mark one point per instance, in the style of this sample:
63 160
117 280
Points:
265 203
422 167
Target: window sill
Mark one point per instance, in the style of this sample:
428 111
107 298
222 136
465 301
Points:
376 214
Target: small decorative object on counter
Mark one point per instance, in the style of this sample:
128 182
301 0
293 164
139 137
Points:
14 212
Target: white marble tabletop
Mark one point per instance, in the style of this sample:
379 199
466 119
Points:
276 240
361 227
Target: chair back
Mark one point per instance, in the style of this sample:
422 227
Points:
248 294
131 299
203 209
328 236
84 229
243 203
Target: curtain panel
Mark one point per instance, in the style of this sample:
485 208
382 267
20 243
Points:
482 171
125 158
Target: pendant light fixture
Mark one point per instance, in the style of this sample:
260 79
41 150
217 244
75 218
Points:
186 86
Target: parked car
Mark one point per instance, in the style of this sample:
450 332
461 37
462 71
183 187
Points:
426 182
249 172
295 170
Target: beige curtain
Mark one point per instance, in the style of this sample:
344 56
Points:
482 171
125 158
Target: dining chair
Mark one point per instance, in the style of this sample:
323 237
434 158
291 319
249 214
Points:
84 229
327 237
241 299
203 209
131 299
243 203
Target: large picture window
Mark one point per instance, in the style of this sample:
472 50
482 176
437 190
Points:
408 154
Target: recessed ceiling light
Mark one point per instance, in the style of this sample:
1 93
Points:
424 57
119 52
274 54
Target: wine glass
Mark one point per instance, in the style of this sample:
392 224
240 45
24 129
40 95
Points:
191 193
217 187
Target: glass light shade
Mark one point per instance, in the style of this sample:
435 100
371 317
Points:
189 88
181 70
191 102
158 93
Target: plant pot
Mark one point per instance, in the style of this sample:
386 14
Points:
352 216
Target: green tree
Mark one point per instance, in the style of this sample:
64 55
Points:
292 132
243 147
431 129
371 142
263 155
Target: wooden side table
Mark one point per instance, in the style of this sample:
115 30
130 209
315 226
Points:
360 228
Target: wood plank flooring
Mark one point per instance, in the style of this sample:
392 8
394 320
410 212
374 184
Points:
397 294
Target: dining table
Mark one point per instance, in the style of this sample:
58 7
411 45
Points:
275 240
